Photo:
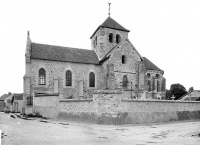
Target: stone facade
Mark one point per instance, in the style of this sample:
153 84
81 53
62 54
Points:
57 70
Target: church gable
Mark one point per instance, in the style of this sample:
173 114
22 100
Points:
125 59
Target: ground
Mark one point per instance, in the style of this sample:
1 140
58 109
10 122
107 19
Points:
38 131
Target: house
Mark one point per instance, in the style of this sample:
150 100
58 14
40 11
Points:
7 99
75 73
17 102
191 96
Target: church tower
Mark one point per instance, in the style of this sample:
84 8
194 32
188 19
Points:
108 35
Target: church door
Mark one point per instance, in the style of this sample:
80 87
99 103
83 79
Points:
80 86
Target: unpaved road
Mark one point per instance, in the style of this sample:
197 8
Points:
17 131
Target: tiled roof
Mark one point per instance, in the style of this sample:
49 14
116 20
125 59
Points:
149 65
111 23
58 53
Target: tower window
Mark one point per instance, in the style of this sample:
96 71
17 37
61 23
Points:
96 40
157 75
149 85
158 86
91 79
148 75
123 59
110 37
42 77
125 81
68 78
117 38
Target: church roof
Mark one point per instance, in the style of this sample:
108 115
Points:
111 23
149 65
66 54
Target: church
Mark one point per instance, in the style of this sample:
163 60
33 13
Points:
111 63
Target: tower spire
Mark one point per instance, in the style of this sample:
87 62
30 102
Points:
109 9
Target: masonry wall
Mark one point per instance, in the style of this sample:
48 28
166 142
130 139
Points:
57 70
109 108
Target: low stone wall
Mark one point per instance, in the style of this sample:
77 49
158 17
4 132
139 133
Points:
77 110
108 107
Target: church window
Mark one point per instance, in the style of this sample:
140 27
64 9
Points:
149 85
125 81
157 75
110 37
148 75
123 59
117 38
42 77
68 78
91 79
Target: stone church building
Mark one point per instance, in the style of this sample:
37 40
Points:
111 63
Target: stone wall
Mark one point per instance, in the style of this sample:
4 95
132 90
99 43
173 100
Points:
77 110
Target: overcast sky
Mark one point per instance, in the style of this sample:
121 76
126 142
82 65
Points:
165 31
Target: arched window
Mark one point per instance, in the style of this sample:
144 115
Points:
42 76
117 38
123 59
149 85
125 81
68 78
91 79
110 37
148 75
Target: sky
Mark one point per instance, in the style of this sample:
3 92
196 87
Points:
167 32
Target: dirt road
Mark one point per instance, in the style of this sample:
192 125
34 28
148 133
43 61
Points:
36 131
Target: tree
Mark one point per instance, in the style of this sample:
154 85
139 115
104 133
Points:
191 89
177 90
168 95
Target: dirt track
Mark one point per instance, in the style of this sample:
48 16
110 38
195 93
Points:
17 131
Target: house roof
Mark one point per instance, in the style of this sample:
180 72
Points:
111 23
3 97
59 53
149 65
18 96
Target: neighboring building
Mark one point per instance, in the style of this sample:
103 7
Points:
191 96
8 102
17 102
3 101
76 73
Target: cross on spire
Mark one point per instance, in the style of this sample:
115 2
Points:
109 9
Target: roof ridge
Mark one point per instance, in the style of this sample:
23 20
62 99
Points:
62 46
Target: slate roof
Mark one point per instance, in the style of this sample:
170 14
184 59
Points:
149 65
111 23
66 54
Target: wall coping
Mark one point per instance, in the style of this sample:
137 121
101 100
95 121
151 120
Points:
47 95
108 91
75 100
165 101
